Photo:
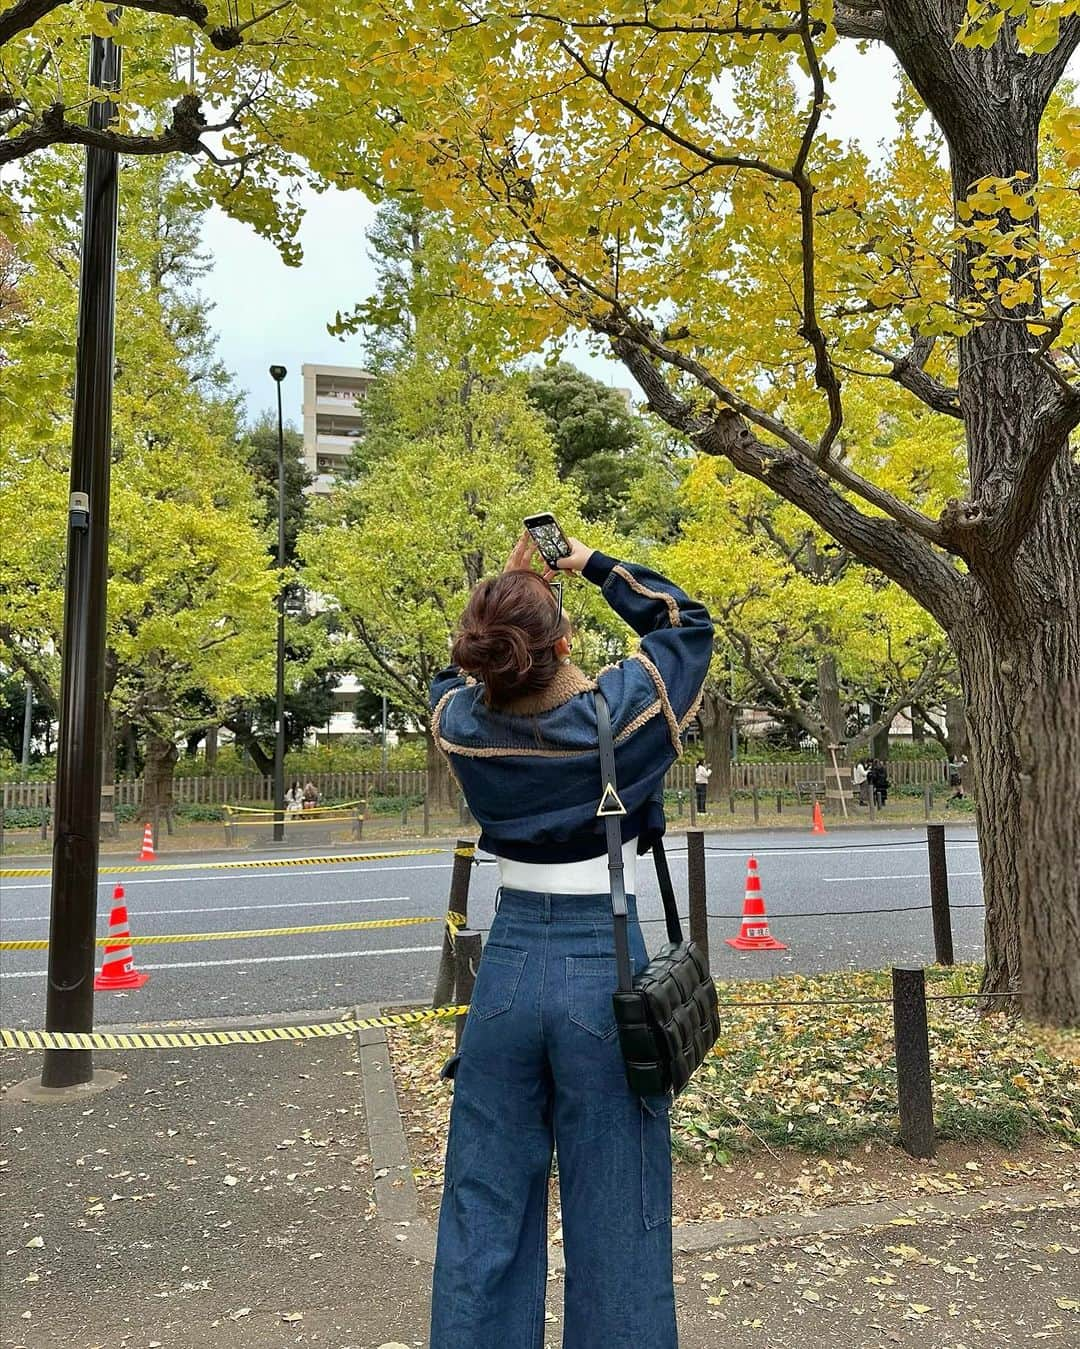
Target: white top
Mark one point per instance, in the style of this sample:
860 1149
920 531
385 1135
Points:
858 775
569 878
702 774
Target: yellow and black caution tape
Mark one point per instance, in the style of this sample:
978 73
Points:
7 873
163 938
269 810
454 921
203 1039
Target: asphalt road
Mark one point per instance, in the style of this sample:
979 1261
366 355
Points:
820 894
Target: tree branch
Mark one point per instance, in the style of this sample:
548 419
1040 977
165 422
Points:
904 698
1049 443
25 13
182 136
864 21
909 373
881 543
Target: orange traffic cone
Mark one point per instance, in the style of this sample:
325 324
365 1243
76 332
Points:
819 822
754 935
118 967
147 854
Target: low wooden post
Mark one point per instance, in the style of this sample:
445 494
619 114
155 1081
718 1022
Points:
927 798
467 952
358 822
695 876
427 816
405 813
757 807
913 1083
693 806
731 802
779 803
459 904
939 894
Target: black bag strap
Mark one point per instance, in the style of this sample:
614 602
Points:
611 810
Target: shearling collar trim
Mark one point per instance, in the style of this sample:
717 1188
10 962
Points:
567 683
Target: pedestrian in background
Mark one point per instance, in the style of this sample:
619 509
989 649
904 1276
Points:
879 783
294 797
311 795
956 776
702 774
860 781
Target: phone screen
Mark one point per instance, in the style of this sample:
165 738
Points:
550 541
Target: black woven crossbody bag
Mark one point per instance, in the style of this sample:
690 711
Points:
667 1017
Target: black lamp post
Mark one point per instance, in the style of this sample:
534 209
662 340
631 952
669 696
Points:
277 374
69 998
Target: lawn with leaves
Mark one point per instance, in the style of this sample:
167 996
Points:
817 1079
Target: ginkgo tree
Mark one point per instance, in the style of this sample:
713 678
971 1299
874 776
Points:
453 463
190 601
630 172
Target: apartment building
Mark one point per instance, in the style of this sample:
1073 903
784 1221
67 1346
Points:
333 418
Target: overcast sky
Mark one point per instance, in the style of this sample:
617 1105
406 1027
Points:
269 314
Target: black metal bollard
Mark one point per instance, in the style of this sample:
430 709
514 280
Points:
693 807
914 1088
757 807
427 816
459 904
939 894
695 875
467 951
779 803
731 802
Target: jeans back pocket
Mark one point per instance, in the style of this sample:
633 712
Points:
590 983
497 980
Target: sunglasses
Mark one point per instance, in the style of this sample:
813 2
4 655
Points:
556 590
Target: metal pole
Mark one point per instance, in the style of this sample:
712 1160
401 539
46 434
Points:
69 1000
913 1083
695 877
459 904
939 894
277 374
27 729
384 752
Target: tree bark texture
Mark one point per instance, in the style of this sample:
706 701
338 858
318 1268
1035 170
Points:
717 718
439 780
161 757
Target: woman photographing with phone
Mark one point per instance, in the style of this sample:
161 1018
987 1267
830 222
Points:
540 1065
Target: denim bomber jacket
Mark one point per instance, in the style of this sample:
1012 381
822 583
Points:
530 769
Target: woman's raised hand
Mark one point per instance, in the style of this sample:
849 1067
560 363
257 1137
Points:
579 556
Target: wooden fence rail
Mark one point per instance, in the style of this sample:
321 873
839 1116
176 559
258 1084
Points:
251 787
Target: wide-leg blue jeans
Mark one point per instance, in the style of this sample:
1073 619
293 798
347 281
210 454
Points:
540 1067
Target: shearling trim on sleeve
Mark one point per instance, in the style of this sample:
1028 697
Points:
673 609
665 702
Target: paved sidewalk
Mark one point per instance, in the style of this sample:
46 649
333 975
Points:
213 1198
233 1198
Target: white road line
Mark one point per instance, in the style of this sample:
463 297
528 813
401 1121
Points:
912 876
228 908
232 876
251 960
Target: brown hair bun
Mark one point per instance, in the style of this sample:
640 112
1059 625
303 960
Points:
507 636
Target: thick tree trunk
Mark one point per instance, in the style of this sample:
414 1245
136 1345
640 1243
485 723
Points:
717 718
211 746
438 775
1021 688
161 757
832 710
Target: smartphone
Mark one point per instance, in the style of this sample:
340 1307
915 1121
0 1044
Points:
551 542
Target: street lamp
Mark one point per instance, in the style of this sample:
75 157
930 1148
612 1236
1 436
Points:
277 374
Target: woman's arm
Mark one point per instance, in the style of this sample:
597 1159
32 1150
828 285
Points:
676 631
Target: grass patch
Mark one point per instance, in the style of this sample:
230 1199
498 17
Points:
821 1080
824 1079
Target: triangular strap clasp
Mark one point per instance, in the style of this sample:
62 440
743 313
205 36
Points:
610 803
